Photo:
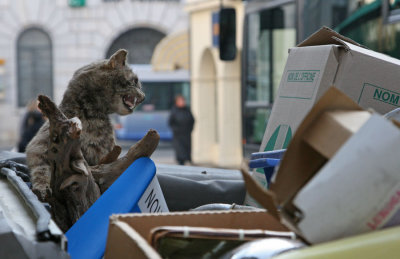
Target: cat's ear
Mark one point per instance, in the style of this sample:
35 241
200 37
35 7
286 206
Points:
118 59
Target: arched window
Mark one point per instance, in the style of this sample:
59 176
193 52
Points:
35 65
139 43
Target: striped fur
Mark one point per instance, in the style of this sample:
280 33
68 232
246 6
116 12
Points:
94 92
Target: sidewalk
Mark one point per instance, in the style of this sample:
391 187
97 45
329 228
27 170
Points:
9 126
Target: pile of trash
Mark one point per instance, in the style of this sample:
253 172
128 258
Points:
326 184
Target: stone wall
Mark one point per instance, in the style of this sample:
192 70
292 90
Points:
79 36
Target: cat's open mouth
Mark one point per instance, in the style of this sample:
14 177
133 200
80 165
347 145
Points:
129 101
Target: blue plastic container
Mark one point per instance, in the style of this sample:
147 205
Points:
268 161
88 236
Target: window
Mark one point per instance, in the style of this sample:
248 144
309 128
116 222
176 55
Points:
34 64
269 34
2 72
375 26
160 96
155 0
331 13
140 44
391 11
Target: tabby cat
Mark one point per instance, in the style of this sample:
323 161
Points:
94 92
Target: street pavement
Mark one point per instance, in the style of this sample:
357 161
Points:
164 153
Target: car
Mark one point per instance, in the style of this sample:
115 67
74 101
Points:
136 125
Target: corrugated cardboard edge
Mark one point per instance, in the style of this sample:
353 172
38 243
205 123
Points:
267 199
143 222
124 242
325 36
213 233
395 122
182 213
263 196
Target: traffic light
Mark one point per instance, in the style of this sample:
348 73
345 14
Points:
227 34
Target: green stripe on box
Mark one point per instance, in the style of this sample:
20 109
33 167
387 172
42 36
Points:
280 138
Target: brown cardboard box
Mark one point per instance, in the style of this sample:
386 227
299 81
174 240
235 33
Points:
128 232
327 58
332 129
335 180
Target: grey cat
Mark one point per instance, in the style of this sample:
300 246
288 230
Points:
94 92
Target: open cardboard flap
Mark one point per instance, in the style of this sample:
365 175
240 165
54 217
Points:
332 129
325 36
125 242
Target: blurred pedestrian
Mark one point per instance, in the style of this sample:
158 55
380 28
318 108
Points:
181 122
31 123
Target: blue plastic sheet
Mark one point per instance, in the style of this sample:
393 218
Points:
268 161
88 236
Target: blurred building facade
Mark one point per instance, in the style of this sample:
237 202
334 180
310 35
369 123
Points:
43 42
215 87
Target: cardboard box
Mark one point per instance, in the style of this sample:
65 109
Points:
128 232
327 58
332 129
323 60
361 183
339 176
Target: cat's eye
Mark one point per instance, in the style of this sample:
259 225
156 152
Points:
129 83
133 83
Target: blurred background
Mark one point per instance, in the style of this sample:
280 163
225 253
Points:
227 64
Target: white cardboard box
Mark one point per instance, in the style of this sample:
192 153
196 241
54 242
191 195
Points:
340 175
358 188
327 59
